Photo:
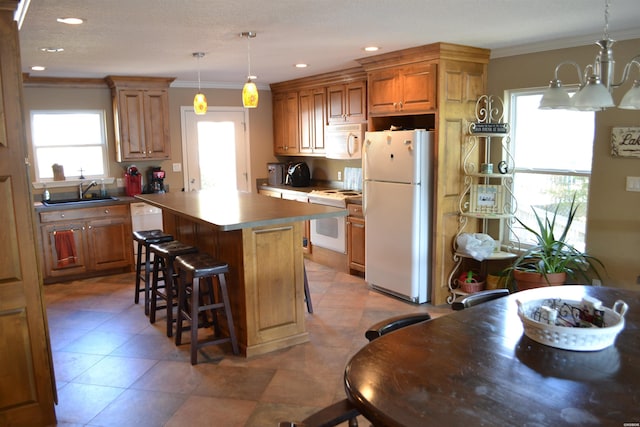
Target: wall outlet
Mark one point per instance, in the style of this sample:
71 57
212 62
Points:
119 182
177 167
339 176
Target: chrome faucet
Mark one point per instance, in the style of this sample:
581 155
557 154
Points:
82 192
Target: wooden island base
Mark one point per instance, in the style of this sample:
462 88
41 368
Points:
266 287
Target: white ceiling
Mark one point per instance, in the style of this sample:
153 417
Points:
158 37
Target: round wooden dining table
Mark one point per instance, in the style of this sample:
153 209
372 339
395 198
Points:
475 367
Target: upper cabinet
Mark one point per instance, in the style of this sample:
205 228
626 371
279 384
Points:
347 103
403 89
141 117
285 123
302 109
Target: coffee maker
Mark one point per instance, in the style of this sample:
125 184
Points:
155 180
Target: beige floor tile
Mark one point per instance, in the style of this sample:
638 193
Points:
115 371
212 411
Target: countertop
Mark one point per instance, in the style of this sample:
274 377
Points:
235 210
303 190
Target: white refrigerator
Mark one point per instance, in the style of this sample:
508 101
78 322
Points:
397 168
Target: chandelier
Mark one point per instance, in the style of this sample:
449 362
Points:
596 81
199 101
249 91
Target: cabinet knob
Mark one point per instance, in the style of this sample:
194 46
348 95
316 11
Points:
61 215
106 211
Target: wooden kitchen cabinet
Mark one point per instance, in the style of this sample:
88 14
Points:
102 239
406 89
285 123
297 196
355 237
141 117
312 120
347 103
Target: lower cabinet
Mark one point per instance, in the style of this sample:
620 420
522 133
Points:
85 242
355 237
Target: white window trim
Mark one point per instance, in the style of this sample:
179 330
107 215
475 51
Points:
50 183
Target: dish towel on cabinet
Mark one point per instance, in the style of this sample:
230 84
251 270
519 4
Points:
65 247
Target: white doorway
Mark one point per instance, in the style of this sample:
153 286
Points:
215 149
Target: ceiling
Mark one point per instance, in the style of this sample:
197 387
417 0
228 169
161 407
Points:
158 37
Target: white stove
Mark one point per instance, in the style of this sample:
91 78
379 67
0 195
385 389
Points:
333 197
330 233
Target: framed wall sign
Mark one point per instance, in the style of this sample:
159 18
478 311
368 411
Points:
486 199
625 142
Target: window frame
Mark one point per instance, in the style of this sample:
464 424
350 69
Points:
103 138
507 228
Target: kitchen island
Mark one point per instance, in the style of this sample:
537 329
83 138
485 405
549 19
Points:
261 239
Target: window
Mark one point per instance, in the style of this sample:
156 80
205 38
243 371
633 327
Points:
552 152
73 139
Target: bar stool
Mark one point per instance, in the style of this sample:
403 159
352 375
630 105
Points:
201 268
146 238
164 255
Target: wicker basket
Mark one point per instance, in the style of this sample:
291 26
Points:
470 282
569 338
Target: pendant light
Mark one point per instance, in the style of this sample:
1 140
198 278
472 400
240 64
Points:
249 91
199 101
596 81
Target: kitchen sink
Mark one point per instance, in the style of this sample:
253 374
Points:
77 201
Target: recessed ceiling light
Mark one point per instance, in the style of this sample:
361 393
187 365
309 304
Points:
38 68
51 49
302 65
371 49
70 21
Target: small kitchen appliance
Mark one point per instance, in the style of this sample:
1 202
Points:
275 173
298 175
155 180
132 181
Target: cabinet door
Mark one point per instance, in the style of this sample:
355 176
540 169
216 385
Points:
356 102
285 123
130 128
355 243
64 249
108 241
312 120
156 124
418 83
347 103
383 91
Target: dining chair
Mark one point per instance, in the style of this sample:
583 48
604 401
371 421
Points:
333 415
478 298
393 323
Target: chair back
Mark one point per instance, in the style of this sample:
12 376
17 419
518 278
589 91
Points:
478 298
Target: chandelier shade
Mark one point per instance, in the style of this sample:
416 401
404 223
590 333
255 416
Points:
596 81
199 101
249 90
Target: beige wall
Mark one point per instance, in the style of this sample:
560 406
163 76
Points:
613 224
260 125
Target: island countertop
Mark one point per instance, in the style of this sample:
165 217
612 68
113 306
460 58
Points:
237 210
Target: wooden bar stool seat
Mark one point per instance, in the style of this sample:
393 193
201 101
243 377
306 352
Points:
144 239
165 287
197 295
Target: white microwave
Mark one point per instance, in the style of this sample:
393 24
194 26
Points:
344 141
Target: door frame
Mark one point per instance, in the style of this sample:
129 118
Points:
188 109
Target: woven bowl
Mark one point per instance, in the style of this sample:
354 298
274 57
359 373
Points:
568 338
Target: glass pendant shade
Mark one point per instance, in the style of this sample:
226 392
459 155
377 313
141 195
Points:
555 97
250 95
631 100
200 103
594 96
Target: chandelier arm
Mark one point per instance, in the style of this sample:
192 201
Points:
581 79
627 71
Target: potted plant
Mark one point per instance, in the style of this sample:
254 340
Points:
551 259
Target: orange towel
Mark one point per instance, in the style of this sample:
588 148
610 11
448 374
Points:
65 247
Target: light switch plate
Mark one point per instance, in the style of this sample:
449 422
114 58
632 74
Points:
633 183
177 167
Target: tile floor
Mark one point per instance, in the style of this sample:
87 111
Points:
113 368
